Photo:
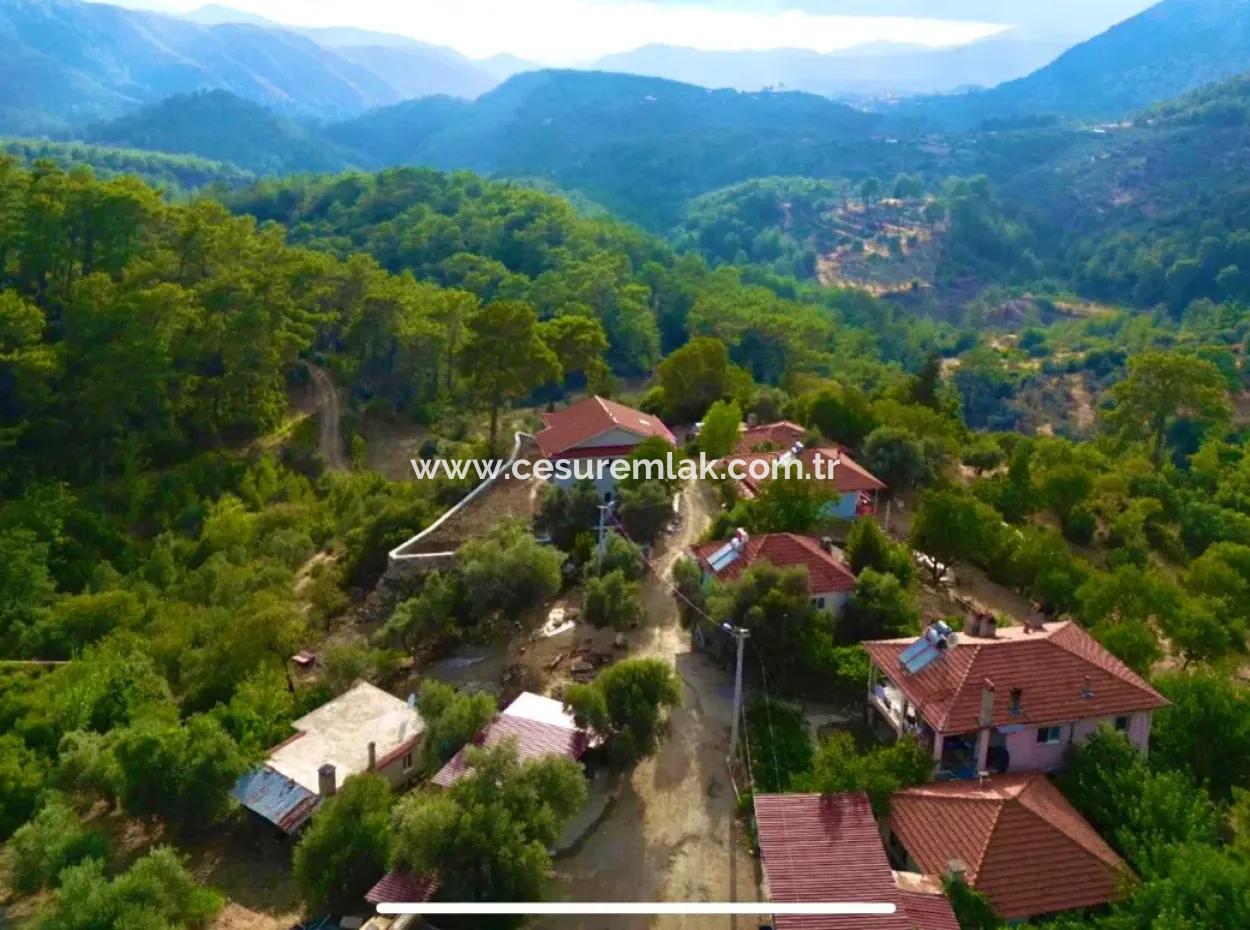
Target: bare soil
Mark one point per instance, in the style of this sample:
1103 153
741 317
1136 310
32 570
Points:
673 833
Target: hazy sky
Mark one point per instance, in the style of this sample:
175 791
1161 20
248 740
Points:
573 31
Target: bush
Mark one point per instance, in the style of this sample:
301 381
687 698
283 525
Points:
52 841
626 703
613 600
345 848
780 746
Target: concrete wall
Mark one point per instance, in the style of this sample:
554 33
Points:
1027 755
834 601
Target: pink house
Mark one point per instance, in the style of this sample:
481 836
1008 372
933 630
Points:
1006 700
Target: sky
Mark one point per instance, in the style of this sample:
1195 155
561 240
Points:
568 32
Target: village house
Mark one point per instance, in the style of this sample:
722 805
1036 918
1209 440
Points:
538 727
1008 699
364 729
817 848
1014 838
830 579
592 433
758 456
770 437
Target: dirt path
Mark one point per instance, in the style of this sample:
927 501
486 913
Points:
672 834
330 441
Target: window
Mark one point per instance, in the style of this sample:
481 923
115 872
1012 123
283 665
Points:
818 603
1121 724
407 761
1049 735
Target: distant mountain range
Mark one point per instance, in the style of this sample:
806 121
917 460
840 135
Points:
884 68
68 63
1163 52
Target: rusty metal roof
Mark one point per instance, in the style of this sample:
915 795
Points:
400 887
278 799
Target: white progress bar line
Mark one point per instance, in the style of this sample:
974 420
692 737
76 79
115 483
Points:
641 908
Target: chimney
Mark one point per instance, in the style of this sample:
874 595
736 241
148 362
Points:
1036 620
989 625
972 624
826 543
373 755
326 785
956 871
987 703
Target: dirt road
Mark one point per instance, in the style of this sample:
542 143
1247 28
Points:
672 834
330 441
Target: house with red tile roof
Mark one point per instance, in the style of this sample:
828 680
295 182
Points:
1008 699
1016 839
770 437
539 726
596 430
830 578
853 487
828 848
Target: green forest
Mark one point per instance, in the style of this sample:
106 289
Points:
228 327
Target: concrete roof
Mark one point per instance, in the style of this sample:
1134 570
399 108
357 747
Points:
340 732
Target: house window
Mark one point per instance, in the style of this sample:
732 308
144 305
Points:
1049 735
407 761
818 603
1121 724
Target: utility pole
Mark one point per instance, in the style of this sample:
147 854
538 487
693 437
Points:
602 537
740 634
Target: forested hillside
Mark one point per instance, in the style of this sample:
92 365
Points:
170 172
221 127
68 63
1162 52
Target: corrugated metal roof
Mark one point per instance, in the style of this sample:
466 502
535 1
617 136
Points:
826 848
400 887
534 740
278 799
1025 846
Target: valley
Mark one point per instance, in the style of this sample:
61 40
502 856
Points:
968 635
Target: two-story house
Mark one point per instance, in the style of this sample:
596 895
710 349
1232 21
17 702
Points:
592 433
1006 699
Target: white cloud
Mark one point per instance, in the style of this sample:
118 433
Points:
576 31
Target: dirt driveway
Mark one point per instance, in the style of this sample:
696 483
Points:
672 834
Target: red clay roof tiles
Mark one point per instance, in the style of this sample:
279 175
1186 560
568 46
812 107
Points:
769 437
1025 847
828 848
581 422
840 470
826 571
1061 673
